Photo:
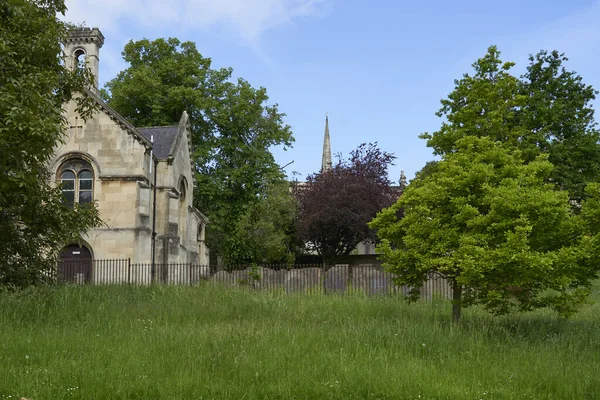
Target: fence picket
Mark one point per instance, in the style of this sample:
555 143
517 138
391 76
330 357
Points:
367 279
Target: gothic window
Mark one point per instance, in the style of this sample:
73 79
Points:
79 56
77 182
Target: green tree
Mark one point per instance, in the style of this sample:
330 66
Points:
483 105
233 128
265 232
34 221
496 229
428 169
559 119
547 110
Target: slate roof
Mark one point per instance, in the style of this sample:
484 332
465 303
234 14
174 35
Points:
164 137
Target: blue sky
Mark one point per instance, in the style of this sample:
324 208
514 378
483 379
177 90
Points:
379 68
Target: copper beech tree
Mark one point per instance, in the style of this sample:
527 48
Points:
336 204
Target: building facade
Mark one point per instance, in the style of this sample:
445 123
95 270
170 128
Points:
124 169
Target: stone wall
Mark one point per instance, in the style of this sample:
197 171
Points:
122 187
120 163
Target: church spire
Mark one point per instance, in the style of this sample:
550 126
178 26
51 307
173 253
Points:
326 161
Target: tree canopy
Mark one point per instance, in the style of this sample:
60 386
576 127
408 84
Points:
494 227
335 205
548 110
508 213
265 232
233 129
34 85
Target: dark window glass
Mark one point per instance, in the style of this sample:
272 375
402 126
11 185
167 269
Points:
85 197
77 181
68 175
85 180
69 197
68 185
85 175
85 184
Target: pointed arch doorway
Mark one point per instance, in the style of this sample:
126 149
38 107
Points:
75 265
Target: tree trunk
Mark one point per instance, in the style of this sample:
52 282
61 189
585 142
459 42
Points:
328 261
456 297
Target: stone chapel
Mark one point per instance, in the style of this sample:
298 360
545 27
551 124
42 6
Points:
140 178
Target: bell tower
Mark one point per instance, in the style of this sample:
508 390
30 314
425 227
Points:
82 49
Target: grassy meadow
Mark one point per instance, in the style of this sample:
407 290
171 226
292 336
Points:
94 342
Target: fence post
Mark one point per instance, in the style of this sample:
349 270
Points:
190 274
323 272
129 271
350 282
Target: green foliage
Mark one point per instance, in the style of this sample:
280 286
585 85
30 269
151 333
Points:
546 111
499 214
233 129
165 77
491 224
560 120
480 105
265 231
34 222
427 169
235 167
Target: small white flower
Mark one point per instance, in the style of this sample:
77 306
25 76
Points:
26 357
423 345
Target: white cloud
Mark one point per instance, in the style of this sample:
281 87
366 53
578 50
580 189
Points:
248 19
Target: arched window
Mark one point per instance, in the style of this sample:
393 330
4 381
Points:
79 59
77 181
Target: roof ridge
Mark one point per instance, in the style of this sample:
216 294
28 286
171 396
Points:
118 118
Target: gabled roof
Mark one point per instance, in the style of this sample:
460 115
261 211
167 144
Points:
118 118
164 139
167 138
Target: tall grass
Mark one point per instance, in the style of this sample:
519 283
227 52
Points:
98 342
